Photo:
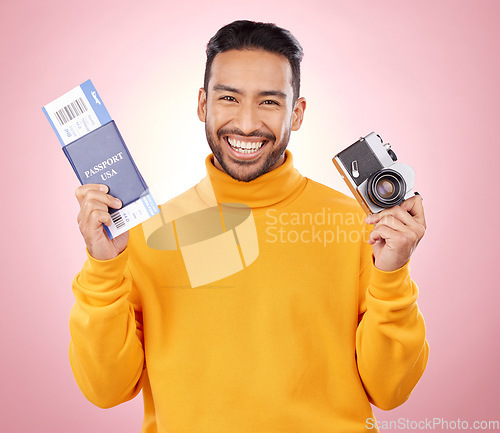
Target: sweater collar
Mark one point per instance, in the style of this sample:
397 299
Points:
267 190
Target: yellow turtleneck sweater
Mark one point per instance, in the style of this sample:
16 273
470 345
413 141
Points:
299 334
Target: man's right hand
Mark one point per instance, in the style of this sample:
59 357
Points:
94 202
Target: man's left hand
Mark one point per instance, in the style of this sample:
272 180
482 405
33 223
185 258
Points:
396 234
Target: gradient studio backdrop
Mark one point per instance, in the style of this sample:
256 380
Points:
423 74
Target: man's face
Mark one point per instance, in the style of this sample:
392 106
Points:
248 111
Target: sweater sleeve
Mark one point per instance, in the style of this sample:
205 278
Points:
391 348
106 349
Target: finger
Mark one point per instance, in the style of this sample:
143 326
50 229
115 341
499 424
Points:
405 222
392 222
82 190
100 196
93 224
89 206
403 215
96 200
381 233
394 239
395 211
374 237
101 218
414 206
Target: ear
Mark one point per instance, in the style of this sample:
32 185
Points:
202 104
298 113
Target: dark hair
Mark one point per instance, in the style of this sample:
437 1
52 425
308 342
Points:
244 34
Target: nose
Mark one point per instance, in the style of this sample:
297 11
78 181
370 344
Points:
247 118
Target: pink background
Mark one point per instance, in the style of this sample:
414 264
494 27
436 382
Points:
423 74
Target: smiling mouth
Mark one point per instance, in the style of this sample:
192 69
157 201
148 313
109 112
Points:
245 146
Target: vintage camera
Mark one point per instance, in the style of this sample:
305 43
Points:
371 172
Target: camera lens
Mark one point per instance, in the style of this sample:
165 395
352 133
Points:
386 188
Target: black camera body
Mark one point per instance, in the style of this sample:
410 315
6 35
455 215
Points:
371 171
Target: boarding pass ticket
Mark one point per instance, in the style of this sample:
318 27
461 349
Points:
77 113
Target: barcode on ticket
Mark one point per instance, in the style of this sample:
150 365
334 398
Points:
70 111
76 113
131 215
117 219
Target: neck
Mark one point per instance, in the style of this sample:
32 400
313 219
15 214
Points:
276 185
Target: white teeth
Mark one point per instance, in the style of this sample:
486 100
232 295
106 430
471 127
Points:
245 146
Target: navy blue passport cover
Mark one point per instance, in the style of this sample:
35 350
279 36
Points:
101 156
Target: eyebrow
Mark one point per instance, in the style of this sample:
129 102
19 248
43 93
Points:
277 93
225 88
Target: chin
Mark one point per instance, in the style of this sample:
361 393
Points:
239 172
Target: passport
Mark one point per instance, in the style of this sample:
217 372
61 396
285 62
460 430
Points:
97 152
101 156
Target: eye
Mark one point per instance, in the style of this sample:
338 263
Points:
227 98
270 102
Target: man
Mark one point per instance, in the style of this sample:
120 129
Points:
304 334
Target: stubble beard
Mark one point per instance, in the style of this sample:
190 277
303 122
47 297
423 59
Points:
237 168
